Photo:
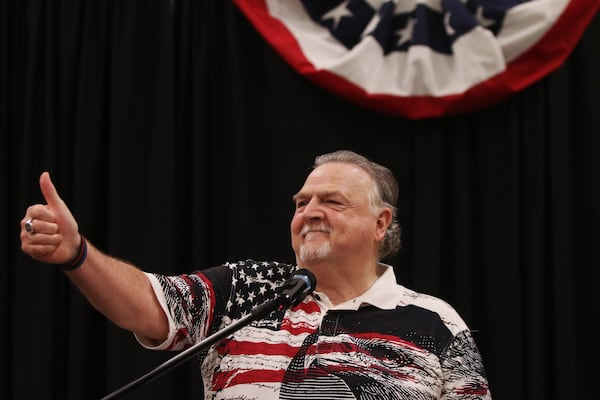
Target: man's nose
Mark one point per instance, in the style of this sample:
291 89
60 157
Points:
313 209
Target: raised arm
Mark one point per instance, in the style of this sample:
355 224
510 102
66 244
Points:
120 291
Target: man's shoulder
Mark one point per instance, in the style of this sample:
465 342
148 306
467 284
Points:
435 304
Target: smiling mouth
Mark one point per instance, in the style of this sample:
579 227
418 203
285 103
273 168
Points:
319 228
314 231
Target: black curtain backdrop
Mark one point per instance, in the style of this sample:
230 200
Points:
178 136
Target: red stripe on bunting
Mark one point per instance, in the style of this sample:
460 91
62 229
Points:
547 55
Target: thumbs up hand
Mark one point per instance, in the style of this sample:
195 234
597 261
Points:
49 232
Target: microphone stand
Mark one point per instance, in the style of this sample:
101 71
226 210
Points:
280 303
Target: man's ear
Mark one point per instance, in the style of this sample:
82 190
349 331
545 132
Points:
384 219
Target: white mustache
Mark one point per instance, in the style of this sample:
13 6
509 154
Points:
318 228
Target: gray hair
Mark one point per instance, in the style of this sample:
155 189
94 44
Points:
385 193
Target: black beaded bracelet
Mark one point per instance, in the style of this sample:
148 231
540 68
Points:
80 259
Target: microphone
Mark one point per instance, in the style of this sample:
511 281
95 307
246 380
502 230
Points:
299 285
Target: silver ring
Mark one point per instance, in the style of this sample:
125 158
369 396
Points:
29 225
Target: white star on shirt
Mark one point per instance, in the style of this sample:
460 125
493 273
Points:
239 299
251 296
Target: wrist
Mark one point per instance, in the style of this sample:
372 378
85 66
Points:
79 258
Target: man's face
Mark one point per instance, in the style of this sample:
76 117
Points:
334 218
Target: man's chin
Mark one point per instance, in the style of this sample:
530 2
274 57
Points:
312 255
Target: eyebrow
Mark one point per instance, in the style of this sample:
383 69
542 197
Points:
298 195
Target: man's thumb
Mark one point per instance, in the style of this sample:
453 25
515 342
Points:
49 191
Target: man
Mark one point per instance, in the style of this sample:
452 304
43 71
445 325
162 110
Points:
359 335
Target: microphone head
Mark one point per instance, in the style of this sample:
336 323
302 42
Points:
307 276
299 285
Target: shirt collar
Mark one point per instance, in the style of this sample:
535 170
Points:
382 294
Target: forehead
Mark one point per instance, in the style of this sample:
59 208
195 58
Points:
337 177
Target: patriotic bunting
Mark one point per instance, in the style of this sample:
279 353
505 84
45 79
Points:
422 58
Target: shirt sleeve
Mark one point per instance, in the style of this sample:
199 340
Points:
464 374
189 303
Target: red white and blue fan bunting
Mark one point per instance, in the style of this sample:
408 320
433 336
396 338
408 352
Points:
422 58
